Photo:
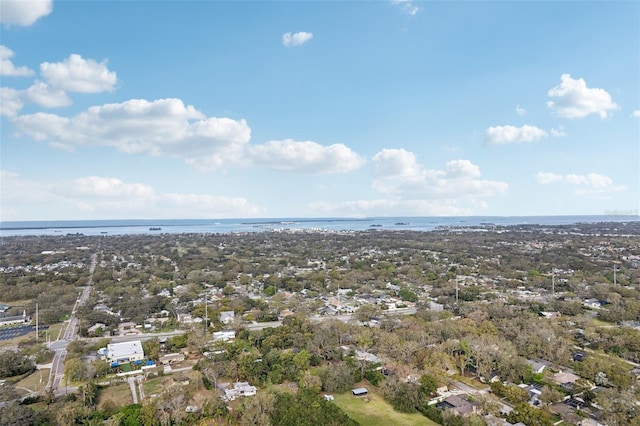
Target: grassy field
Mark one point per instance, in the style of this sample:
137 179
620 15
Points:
377 412
119 394
600 323
155 385
34 382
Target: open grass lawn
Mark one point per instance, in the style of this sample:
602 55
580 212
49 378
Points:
119 394
155 385
53 331
377 412
600 323
35 381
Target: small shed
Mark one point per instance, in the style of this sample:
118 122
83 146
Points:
360 392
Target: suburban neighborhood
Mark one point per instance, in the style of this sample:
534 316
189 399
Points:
460 326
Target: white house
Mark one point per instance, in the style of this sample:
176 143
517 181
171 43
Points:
239 389
124 352
224 335
227 317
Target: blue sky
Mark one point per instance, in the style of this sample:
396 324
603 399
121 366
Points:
213 109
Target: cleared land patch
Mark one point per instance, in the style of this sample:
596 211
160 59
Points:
377 412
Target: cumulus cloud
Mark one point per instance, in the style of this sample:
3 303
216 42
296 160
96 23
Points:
558 132
42 94
407 6
512 134
164 127
23 12
636 113
305 157
397 173
520 110
76 74
7 68
297 39
100 197
573 99
591 183
10 101
168 127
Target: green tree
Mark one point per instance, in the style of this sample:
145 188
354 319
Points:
130 415
14 364
408 295
16 415
428 385
151 349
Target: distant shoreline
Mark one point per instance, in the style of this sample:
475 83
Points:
185 226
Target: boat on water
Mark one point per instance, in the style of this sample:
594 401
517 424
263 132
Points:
155 228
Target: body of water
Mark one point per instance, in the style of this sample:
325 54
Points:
181 226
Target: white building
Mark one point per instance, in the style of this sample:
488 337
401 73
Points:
239 389
224 335
227 317
124 352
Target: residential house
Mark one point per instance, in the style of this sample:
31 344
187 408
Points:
124 352
171 358
458 404
227 317
239 389
367 356
537 365
97 328
594 303
224 335
534 392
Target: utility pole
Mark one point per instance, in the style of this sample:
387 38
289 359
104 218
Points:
206 315
457 292
553 282
614 274
36 323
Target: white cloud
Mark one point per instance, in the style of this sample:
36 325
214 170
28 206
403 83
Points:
547 177
168 127
164 127
398 174
512 134
407 6
42 94
6 65
558 132
591 183
99 187
10 101
297 39
76 74
636 114
520 110
305 157
24 12
100 197
574 99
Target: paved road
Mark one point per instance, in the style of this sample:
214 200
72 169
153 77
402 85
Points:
344 318
69 334
132 385
146 336
140 389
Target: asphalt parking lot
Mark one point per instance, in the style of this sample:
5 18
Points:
10 333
